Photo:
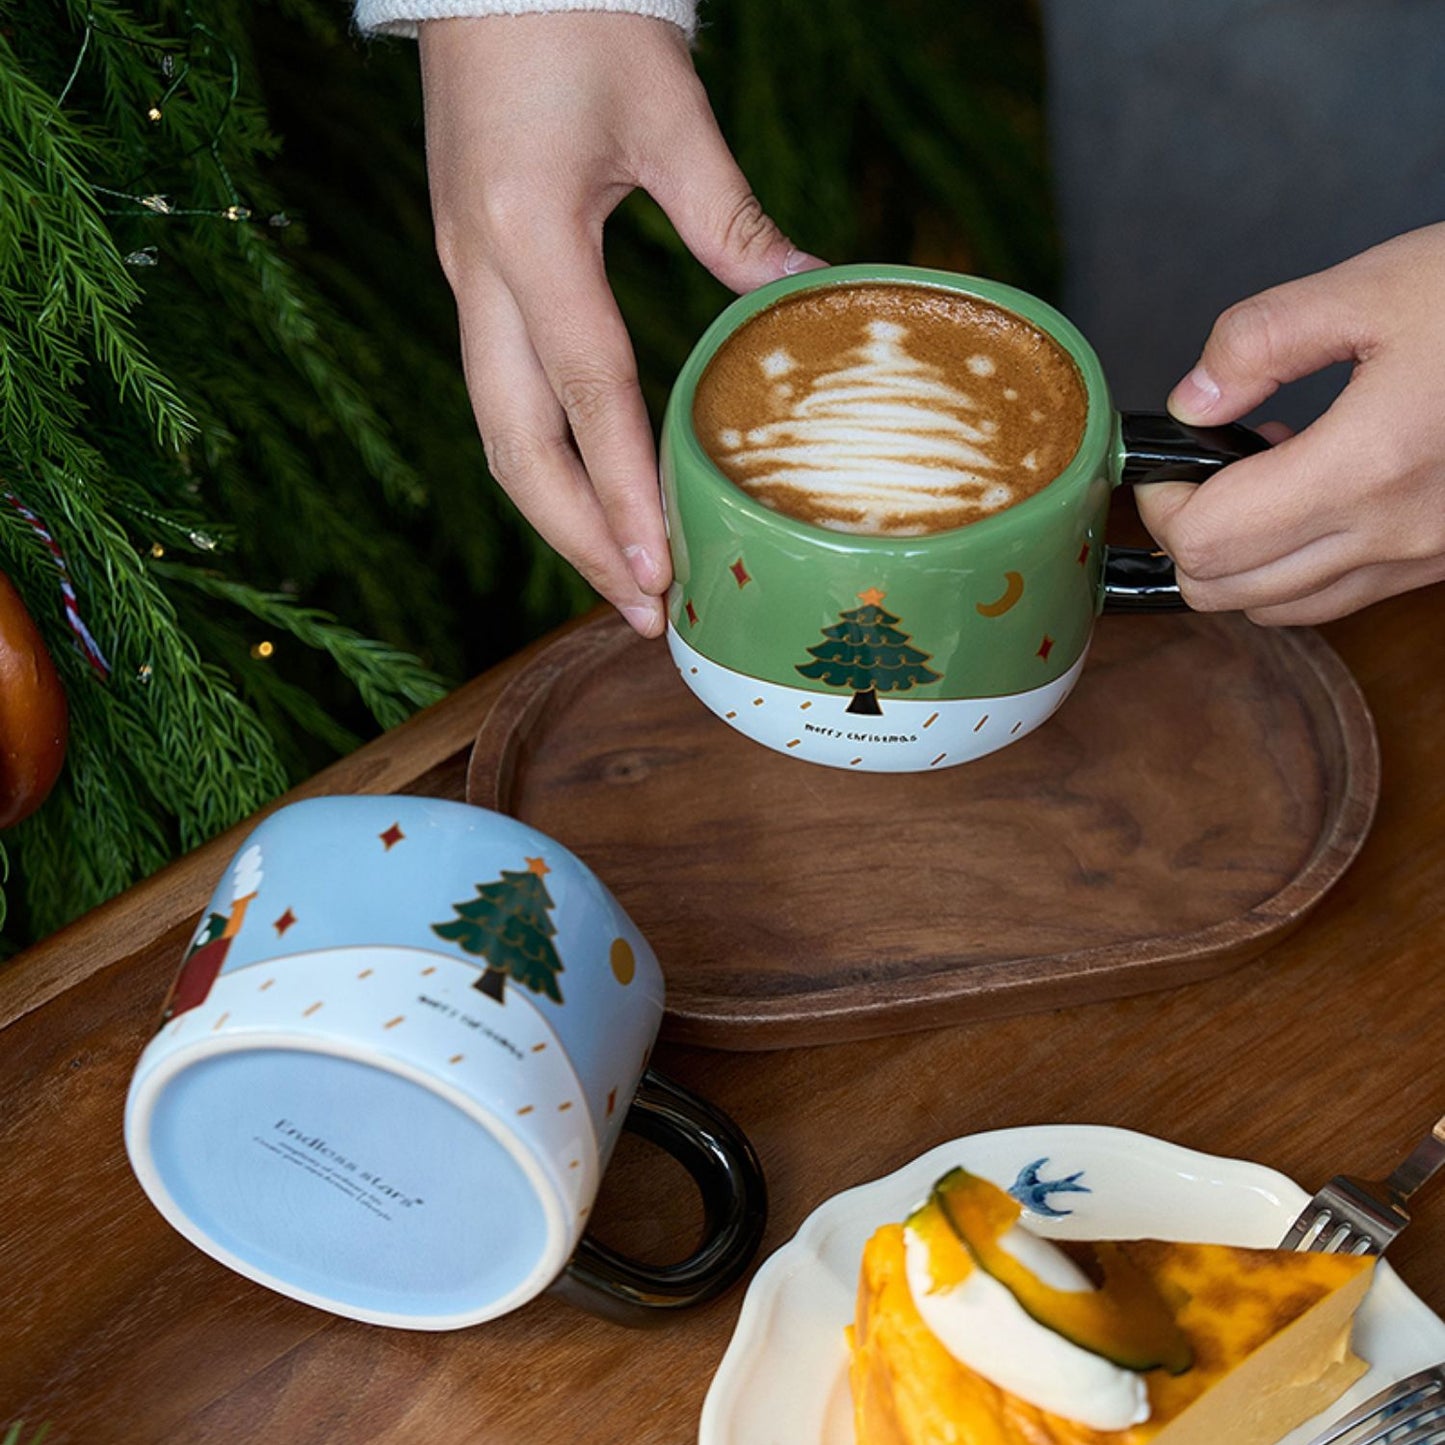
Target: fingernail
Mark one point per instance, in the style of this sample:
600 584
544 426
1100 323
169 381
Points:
644 567
646 620
1197 395
797 260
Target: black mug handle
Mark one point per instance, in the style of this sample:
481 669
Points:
735 1209
1159 449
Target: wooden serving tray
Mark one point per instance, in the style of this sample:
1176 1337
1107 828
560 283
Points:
1202 789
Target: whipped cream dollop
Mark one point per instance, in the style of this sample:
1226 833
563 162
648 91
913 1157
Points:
982 1325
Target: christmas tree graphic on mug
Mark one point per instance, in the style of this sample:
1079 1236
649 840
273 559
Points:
507 924
866 651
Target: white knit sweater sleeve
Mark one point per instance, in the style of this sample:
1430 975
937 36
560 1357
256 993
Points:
400 17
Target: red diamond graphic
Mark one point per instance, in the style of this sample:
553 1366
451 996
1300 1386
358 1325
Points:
1083 554
392 836
691 613
284 922
740 572
1045 647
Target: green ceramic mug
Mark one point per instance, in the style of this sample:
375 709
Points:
910 653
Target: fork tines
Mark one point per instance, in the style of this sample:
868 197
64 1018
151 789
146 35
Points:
1409 1412
1347 1216
1324 1231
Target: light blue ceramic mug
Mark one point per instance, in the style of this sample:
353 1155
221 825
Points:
395 1063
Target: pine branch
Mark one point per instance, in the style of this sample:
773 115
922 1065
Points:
58 249
392 684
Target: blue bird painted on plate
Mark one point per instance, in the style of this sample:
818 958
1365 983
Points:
1033 1192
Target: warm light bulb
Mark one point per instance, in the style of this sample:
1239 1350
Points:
263 650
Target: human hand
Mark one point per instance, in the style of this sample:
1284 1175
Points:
1351 509
537 127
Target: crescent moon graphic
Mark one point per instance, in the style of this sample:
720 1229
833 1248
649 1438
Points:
1011 594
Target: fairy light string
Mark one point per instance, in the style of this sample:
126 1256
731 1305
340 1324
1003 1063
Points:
151 201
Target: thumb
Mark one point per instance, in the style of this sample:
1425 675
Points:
707 197
1259 344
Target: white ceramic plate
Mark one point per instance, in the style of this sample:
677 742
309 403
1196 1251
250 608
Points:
783 1380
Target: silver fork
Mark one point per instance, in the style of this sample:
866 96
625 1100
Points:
1363 1216
1409 1412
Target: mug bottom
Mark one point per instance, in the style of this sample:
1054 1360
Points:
904 735
343 1183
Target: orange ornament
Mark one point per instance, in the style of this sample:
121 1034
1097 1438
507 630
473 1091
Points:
34 718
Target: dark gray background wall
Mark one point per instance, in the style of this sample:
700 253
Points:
1209 149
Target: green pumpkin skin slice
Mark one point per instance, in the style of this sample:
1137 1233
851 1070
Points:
1126 1321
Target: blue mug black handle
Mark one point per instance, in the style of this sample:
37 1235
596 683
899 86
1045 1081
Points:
734 1193
1159 449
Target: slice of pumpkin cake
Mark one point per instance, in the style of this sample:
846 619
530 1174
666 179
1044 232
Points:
972 1331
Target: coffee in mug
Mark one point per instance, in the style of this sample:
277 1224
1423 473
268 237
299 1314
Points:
886 492
891 410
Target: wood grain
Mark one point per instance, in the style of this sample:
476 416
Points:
1205 785
1321 1054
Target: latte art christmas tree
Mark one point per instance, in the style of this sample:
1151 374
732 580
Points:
889 410
876 443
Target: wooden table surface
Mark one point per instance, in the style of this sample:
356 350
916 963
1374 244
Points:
1322 1054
